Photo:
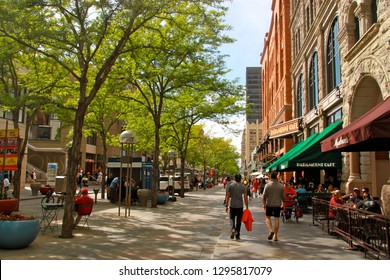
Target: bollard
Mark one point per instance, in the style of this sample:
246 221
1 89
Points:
96 191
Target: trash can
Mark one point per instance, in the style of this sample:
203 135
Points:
35 188
143 196
60 184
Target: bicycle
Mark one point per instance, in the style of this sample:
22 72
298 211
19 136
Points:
49 197
295 208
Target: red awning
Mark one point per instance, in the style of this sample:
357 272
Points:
370 132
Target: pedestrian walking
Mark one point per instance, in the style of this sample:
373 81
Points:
273 198
6 184
236 197
227 185
33 176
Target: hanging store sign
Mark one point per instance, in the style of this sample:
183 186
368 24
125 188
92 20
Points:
9 139
284 129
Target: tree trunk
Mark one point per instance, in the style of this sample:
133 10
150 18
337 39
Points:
73 164
156 169
103 183
182 163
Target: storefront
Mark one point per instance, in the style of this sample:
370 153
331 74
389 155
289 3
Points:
307 156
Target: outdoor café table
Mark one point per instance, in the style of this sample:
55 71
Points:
49 215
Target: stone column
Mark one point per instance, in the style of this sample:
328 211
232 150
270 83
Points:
385 199
354 180
363 12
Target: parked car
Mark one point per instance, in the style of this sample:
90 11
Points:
166 184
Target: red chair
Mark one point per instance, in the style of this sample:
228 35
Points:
83 210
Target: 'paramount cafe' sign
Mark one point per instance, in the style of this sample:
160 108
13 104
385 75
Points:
284 129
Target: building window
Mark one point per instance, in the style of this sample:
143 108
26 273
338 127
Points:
300 97
313 81
335 116
312 11
333 58
357 29
374 10
307 19
313 130
91 140
44 132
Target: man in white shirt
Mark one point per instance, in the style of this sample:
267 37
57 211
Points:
6 183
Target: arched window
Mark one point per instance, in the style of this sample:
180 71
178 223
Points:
300 96
333 58
313 82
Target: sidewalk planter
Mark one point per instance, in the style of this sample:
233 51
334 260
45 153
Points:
18 234
45 189
143 195
162 198
7 206
35 188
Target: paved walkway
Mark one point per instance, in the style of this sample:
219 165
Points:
192 228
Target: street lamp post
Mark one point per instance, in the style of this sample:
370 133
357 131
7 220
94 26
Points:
126 137
172 154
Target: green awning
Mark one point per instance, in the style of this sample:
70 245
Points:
307 154
294 150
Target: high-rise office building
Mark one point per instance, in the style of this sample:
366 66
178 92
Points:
253 128
253 94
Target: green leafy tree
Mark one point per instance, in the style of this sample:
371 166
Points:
104 113
84 38
25 87
194 106
173 57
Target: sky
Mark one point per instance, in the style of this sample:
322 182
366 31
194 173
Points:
250 21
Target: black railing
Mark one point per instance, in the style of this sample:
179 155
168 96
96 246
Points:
360 228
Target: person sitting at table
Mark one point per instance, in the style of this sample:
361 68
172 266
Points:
354 197
302 199
113 190
334 201
320 189
330 188
368 203
81 200
289 201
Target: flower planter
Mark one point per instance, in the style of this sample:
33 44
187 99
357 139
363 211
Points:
7 206
143 196
45 189
18 234
162 198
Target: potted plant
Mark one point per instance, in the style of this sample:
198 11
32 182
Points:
7 204
162 197
45 189
17 231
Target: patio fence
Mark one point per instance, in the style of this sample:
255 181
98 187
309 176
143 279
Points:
361 229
